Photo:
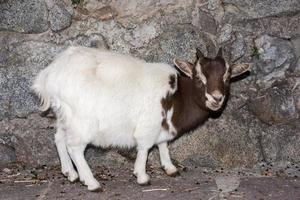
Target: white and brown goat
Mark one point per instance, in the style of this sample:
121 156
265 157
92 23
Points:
108 99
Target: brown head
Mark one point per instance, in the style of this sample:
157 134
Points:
211 77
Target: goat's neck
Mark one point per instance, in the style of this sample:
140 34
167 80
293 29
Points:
189 106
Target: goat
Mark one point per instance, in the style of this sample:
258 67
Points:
109 99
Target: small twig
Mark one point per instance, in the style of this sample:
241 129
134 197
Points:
203 4
236 195
190 189
14 175
262 96
241 106
211 198
5 180
158 189
25 181
29 185
43 181
180 165
295 86
243 97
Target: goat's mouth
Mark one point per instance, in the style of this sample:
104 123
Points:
213 106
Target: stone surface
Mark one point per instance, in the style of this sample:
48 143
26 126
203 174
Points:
7 154
172 44
276 106
253 9
225 33
25 60
32 139
94 40
207 25
280 143
227 185
23 16
238 48
118 183
59 18
284 27
223 142
275 57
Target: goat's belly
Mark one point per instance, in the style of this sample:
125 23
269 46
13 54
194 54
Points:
120 135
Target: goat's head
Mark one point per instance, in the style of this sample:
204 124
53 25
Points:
212 75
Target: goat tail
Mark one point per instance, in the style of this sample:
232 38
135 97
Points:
39 87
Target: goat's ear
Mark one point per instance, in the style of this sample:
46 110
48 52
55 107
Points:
199 54
184 67
238 69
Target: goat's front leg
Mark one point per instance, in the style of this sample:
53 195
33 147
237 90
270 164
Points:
140 167
165 160
85 174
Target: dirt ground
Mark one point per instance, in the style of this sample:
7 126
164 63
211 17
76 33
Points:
119 183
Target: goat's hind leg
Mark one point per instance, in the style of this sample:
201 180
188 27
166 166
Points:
65 160
76 150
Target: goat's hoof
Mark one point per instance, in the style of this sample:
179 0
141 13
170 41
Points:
71 175
177 173
95 187
99 189
145 184
135 174
172 171
143 180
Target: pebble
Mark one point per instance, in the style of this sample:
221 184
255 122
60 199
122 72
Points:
7 171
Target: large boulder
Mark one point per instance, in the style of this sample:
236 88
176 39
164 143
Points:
22 63
25 59
275 57
276 106
31 139
254 9
223 142
280 143
59 18
24 16
7 154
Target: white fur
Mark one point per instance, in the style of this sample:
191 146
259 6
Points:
106 99
200 74
211 103
226 75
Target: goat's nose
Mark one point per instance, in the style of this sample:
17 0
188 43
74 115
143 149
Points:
218 98
217 95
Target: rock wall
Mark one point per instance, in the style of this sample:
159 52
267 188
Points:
260 122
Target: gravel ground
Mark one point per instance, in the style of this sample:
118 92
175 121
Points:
119 183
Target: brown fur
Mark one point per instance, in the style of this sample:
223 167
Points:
214 74
189 99
166 105
188 102
164 124
172 81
